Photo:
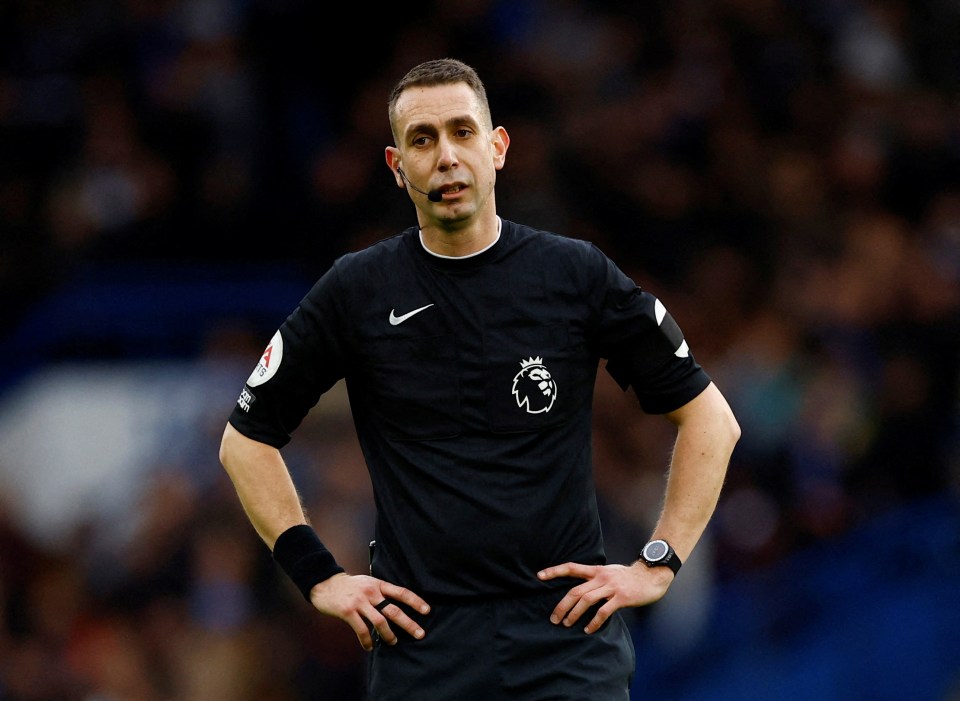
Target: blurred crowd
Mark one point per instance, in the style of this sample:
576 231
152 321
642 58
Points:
785 174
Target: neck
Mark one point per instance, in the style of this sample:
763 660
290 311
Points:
462 255
466 241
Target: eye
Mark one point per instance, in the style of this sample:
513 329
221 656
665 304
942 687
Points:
421 140
463 133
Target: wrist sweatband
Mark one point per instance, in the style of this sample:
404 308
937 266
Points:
303 557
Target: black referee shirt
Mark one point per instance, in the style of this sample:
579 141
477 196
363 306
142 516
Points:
471 382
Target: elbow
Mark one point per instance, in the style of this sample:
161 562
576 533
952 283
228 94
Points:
735 434
732 430
237 450
226 445
723 422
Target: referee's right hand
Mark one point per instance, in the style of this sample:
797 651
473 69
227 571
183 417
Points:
367 604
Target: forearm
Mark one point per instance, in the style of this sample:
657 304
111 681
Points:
263 484
707 433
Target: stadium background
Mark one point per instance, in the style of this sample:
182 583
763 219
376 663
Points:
175 174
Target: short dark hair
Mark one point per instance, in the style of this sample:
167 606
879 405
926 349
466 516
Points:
441 71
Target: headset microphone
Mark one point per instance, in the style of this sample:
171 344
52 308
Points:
433 195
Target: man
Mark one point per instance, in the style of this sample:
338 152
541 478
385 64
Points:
470 347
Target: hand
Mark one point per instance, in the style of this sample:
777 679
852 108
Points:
359 600
621 586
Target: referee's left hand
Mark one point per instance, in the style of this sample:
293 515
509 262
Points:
621 586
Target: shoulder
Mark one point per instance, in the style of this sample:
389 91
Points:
372 263
352 274
567 257
382 252
558 246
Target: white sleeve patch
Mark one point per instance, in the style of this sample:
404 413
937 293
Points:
269 361
682 351
659 310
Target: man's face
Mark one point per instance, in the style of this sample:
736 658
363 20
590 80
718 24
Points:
446 143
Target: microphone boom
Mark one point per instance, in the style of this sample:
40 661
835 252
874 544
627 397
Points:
434 195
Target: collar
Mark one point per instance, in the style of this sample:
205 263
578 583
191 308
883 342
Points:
469 255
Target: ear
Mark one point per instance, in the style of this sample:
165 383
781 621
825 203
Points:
501 142
392 155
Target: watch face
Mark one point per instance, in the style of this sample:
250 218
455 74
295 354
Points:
655 550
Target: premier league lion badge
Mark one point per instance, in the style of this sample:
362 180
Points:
533 387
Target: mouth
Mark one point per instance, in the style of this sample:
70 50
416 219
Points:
452 189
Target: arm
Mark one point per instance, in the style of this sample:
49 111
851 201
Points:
706 435
271 502
263 484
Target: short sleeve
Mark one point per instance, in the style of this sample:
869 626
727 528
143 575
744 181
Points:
302 360
645 347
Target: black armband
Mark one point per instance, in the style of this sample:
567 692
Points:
304 558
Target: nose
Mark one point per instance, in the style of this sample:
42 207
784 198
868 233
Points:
447 158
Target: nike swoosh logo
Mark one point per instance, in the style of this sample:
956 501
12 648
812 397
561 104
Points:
394 319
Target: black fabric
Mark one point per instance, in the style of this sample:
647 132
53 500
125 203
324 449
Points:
301 554
474 413
504 650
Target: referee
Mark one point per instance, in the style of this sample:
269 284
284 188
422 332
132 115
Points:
470 346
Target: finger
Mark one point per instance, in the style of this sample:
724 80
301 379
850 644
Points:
398 593
379 619
603 613
570 600
359 626
564 606
585 603
568 569
399 617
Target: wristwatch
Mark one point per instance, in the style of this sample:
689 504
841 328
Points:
658 553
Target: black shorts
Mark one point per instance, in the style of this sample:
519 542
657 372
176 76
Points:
504 650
